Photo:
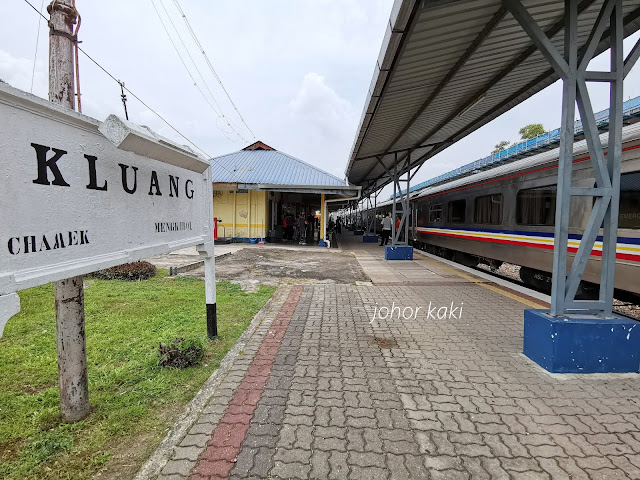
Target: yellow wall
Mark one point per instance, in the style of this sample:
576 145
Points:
256 213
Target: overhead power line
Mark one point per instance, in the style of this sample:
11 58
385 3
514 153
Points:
218 112
204 54
144 103
35 55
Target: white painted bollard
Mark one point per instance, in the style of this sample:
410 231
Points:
210 296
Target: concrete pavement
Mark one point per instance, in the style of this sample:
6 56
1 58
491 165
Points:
419 375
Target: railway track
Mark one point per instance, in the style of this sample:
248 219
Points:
510 273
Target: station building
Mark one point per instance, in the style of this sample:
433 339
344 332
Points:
254 189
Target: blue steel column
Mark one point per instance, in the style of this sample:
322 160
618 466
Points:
565 161
614 161
395 198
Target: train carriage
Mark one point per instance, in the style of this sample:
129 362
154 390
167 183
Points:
507 214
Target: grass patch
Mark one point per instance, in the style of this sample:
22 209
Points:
134 401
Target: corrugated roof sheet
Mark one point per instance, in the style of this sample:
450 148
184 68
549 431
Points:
269 167
448 67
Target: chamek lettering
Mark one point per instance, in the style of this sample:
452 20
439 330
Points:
43 242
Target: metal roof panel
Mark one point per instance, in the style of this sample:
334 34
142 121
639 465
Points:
457 52
268 167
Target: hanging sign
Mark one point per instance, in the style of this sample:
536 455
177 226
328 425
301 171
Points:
79 195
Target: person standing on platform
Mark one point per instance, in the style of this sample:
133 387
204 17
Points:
302 229
387 225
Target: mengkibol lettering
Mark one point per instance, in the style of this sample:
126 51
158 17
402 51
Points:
41 243
129 175
162 227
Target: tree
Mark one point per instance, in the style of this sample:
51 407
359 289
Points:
531 131
501 146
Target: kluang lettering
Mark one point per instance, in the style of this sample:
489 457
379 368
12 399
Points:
48 173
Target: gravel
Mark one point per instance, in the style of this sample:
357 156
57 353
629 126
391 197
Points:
512 272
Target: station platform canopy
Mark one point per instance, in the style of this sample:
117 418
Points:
448 67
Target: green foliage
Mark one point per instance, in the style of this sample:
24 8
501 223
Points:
501 146
133 400
531 131
48 444
129 271
181 352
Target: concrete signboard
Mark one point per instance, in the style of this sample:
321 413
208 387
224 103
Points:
79 195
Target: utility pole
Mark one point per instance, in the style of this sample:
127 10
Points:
69 295
124 99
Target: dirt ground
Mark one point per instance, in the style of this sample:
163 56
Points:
271 266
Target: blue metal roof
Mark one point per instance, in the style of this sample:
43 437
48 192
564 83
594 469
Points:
269 167
631 112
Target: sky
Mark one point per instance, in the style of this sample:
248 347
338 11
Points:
297 71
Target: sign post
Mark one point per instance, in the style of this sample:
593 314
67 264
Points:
73 381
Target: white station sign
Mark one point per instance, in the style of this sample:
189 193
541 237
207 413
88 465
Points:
79 195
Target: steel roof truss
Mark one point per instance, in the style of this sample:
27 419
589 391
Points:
550 33
606 169
596 34
589 76
536 34
632 58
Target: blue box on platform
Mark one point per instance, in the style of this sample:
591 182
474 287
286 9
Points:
370 238
398 253
582 345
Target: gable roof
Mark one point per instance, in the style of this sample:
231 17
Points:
272 167
258 146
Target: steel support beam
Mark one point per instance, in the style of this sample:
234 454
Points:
604 216
401 200
371 212
632 58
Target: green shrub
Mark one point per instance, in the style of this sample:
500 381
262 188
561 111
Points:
128 271
181 352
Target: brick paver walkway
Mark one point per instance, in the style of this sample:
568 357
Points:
320 391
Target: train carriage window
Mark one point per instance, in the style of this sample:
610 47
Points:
536 206
457 210
488 209
629 216
435 213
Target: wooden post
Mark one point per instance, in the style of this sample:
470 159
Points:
72 354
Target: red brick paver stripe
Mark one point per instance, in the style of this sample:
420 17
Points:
219 456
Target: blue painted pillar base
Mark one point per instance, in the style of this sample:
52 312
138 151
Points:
398 253
370 238
582 345
322 243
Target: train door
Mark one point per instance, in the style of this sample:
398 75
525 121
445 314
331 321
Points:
414 223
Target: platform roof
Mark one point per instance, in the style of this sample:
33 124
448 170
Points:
448 67
261 167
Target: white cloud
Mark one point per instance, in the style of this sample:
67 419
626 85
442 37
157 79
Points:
321 109
17 72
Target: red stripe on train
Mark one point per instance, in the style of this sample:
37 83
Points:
544 246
